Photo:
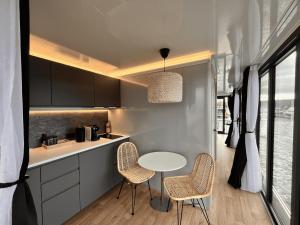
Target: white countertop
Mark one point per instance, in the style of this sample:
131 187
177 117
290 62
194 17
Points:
39 156
162 161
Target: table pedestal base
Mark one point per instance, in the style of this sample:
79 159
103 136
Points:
160 206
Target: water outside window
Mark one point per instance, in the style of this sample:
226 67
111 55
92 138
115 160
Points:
283 132
263 131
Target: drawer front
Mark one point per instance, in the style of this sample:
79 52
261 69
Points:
62 207
59 168
59 185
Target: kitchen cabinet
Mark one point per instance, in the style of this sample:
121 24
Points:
107 91
58 85
59 185
34 183
98 173
62 188
71 86
62 207
117 177
59 168
39 82
95 173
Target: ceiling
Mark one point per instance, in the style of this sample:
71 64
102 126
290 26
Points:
124 33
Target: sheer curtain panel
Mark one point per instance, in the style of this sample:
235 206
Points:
235 123
16 204
252 178
231 109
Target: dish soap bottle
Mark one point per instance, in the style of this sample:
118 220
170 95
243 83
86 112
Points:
108 127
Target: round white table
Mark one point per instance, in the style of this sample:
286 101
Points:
161 162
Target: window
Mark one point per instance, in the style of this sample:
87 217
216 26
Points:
220 115
227 116
223 115
278 131
221 78
283 132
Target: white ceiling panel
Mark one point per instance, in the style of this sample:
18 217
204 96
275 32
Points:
124 33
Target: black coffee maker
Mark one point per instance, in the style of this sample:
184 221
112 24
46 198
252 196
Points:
80 134
94 135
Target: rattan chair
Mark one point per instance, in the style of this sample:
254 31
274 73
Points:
194 186
128 167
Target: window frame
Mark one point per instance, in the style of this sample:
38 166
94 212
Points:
266 73
223 114
290 45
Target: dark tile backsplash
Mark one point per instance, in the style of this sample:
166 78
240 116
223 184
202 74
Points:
61 123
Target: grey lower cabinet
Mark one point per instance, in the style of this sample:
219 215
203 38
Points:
34 183
62 207
98 172
62 188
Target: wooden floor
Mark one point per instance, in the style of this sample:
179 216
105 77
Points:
230 206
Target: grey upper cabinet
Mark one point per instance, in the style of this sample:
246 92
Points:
39 82
107 91
71 86
55 84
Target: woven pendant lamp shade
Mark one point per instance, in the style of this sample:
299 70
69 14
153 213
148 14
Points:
165 87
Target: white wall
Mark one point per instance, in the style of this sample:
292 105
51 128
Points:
183 127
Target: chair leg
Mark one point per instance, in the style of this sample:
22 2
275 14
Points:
149 190
193 203
204 211
168 206
134 195
179 214
132 199
123 181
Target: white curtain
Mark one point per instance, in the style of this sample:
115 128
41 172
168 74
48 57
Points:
235 37
251 179
11 107
235 126
254 29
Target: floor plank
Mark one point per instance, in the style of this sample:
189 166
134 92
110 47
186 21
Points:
230 206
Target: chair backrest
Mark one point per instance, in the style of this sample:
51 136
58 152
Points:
203 173
127 156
